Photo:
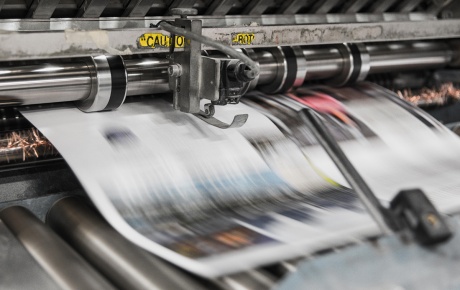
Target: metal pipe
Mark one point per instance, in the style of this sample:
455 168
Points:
322 62
61 262
268 66
379 213
126 265
147 76
408 56
61 82
44 83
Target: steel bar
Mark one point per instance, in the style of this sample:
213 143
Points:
381 6
138 8
219 7
72 81
61 262
437 6
353 6
43 8
380 214
412 56
17 263
181 4
55 24
324 7
255 7
67 9
407 5
293 6
63 82
92 8
323 62
72 43
40 83
125 264
147 76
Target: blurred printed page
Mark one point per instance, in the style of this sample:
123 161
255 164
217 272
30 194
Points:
210 200
393 145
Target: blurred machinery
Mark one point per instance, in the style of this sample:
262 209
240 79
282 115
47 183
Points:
98 53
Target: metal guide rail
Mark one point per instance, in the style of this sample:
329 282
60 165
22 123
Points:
72 42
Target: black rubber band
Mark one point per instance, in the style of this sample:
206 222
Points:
357 62
291 66
118 73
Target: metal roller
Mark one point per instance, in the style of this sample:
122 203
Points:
250 280
61 262
408 56
125 264
84 81
102 83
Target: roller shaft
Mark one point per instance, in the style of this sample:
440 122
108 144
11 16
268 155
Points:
60 82
63 264
126 265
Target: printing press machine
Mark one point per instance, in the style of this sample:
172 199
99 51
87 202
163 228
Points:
99 53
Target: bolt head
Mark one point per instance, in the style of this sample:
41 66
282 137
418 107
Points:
175 70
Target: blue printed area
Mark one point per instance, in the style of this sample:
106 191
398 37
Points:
218 190
250 185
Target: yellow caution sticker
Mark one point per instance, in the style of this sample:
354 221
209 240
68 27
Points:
154 40
242 38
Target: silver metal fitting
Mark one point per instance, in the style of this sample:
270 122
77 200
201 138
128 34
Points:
175 70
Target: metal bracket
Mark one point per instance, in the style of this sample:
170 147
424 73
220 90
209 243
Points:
193 77
237 122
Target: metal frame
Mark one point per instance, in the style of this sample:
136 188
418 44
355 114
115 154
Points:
21 44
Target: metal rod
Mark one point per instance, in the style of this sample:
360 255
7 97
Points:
147 75
411 56
61 262
380 214
126 265
323 62
46 82
61 82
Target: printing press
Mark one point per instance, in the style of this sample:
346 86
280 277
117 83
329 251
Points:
97 55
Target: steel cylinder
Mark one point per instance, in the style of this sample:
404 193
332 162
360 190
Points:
74 81
125 264
408 56
62 263
268 66
46 82
147 75
323 62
